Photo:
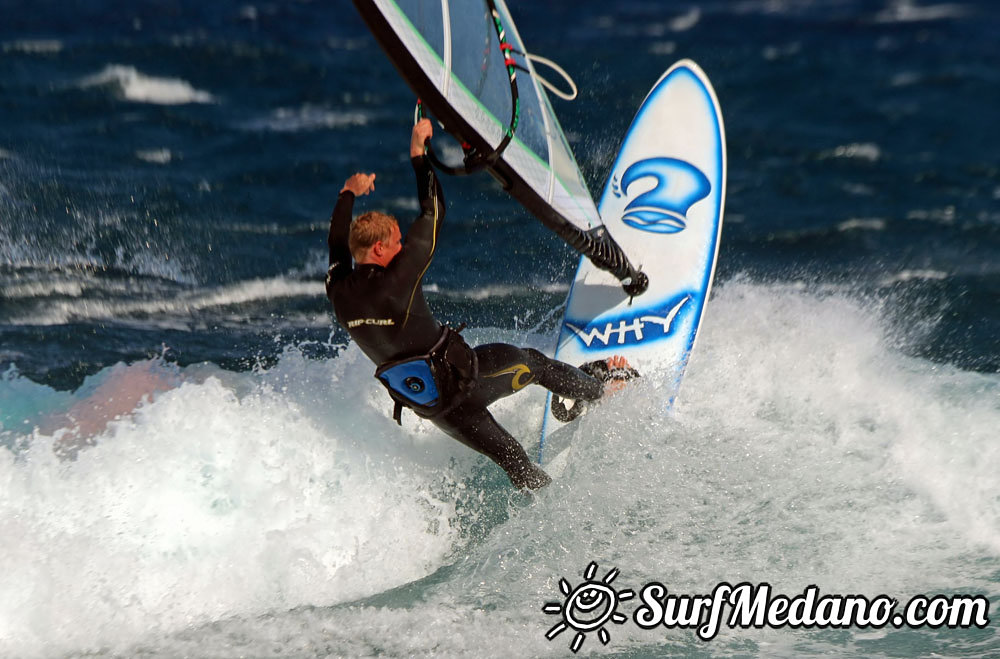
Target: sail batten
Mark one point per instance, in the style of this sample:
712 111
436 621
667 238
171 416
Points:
446 28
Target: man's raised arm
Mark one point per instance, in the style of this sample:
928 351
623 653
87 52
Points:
340 224
421 239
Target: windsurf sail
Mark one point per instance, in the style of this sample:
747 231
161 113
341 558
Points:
466 62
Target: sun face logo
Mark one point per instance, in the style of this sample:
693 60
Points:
588 607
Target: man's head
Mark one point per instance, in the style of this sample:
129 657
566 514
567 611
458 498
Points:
375 238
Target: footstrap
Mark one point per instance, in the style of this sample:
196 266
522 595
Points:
599 369
567 409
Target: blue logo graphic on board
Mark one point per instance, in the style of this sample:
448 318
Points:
679 184
646 325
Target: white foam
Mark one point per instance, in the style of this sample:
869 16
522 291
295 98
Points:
405 203
307 118
686 21
911 275
275 229
857 189
141 88
650 26
944 215
34 46
34 289
804 449
168 308
857 150
495 291
906 11
156 156
862 223
220 499
663 48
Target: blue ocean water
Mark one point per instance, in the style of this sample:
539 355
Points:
195 463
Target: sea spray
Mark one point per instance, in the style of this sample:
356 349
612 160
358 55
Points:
803 449
204 504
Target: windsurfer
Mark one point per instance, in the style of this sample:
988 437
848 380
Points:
380 302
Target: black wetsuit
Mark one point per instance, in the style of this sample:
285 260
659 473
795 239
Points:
384 311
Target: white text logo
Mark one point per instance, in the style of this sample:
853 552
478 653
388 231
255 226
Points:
634 326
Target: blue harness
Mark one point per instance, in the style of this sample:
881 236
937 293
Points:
434 383
412 379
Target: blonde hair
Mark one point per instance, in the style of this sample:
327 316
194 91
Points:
368 229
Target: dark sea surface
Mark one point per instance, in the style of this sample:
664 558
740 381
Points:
194 462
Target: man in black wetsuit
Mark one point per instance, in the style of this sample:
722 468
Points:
381 304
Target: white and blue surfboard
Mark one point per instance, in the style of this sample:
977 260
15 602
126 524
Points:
663 203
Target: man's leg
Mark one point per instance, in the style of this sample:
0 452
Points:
505 369
475 427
